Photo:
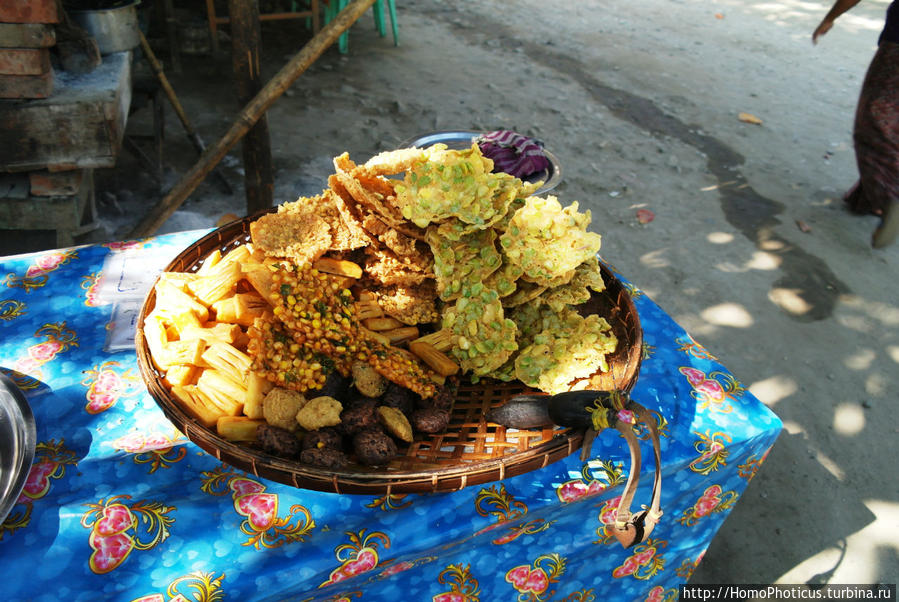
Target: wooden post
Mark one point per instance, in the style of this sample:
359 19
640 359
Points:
249 115
257 152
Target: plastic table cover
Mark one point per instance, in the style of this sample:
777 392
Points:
118 504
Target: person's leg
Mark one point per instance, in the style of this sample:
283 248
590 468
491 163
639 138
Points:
876 137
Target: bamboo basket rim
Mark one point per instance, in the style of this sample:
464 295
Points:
442 462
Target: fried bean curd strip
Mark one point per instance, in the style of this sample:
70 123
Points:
485 338
463 263
410 305
556 358
301 237
587 277
454 183
547 241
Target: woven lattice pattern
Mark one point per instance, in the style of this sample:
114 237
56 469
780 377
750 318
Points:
471 451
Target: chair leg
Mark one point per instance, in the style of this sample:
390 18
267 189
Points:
391 7
378 8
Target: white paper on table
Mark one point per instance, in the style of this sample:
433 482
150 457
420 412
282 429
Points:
125 279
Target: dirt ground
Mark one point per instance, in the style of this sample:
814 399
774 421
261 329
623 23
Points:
750 250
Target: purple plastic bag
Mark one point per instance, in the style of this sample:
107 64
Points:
513 153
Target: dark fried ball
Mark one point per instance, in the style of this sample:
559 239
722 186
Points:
277 441
399 397
373 447
443 399
430 420
361 415
325 437
336 386
327 457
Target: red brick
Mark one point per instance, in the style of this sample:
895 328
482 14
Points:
27 35
26 86
28 11
61 183
24 61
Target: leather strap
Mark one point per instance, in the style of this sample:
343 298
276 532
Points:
629 529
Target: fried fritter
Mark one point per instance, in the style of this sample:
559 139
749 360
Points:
463 263
485 338
548 242
557 357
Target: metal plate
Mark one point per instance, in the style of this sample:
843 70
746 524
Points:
551 176
17 440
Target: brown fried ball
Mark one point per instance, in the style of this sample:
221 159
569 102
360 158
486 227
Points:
374 447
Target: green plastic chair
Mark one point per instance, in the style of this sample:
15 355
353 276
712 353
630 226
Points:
333 7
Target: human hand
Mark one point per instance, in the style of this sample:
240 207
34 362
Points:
823 28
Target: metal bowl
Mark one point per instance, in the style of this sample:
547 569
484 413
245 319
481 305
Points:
17 441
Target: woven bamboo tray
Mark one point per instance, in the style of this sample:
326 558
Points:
470 452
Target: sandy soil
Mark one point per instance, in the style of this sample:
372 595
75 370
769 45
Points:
751 249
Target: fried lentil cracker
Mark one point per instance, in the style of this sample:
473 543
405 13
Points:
298 235
371 199
410 305
549 241
556 358
384 268
349 213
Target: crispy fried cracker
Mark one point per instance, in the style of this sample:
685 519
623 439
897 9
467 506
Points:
384 268
413 305
298 235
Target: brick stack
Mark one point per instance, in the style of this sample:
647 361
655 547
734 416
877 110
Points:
55 128
26 35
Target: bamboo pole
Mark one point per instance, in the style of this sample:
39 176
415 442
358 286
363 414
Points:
248 116
246 48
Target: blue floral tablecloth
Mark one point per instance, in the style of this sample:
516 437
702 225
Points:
119 505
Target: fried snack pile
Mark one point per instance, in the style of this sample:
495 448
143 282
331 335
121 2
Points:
410 269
